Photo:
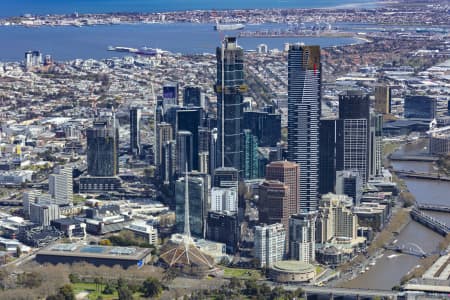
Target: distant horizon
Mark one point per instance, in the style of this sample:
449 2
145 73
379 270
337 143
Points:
21 7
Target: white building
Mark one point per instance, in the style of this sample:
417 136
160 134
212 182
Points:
269 244
144 231
28 198
224 199
302 239
61 186
43 213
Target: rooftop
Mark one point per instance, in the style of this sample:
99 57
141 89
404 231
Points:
293 266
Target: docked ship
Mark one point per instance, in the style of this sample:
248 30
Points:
228 27
141 51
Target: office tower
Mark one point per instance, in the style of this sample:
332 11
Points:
159 112
28 198
61 186
224 199
327 156
419 106
383 99
229 88
349 183
168 163
196 192
266 126
302 239
103 148
376 145
273 203
164 133
193 96
226 178
170 94
304 109
33 59
190 120
43 213
269 244
337 219
203 162
135 131
184 151
223 227
204 139
289 174
352 146
251 157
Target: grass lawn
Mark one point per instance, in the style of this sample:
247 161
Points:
93 294
319 270
242 273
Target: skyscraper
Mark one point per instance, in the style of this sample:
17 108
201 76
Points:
376 145
327 156
193 96
352 148
164 133
302 237
304 109
273 203
229 88
251 157
383 99
184 151
135 131
289 174
61 186
170 94
103 148
190 120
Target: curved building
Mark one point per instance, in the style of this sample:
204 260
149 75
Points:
292 271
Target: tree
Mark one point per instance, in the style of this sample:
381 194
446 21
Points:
66 291
152 287
74 278
18 251
108 290
124 293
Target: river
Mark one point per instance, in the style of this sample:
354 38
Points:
388 271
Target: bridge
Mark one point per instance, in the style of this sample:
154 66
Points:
430 176
430 222
409 248
342 292
400 157
434 207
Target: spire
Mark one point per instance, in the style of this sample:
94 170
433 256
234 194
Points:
187 229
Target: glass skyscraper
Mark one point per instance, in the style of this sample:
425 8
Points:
229 88
304 109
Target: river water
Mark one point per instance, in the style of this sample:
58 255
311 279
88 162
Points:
388 271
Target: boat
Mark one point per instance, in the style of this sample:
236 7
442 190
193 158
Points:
225 27
392 256
122 49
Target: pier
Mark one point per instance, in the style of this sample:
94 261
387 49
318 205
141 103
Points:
430 222
434 207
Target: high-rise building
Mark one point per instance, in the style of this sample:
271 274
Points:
226 178
196 188
224 199
184 151
302 237
337 218
419 106
135 131
213 151
103 148
352 146
304 109
327 156
376 145
269 244
251 157
223 227
43 213
349 183
170 94
266 126
164 133
61 186
289 174
193 96
190 120
230 87
273 203
28 198
383 99
168 164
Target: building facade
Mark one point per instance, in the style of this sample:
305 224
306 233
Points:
269 244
